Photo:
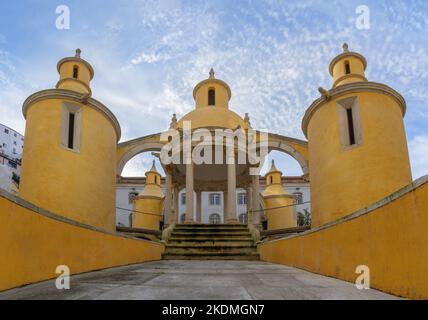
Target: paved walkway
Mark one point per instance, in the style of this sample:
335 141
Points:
193 280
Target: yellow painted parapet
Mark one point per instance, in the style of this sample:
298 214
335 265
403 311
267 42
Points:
274 196
390 237
148 205
33 242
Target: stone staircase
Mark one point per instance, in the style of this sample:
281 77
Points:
210 242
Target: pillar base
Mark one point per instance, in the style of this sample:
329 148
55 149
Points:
232 221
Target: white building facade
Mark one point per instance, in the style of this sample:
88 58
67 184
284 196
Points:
212 202
11 144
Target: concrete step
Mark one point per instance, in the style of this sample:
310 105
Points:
212 249
208 239
208 225
228 234
211 256
211 243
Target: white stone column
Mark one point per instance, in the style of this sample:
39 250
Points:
168 197
189 193
176 216
249 204
199 206
224 206
256 200
231 191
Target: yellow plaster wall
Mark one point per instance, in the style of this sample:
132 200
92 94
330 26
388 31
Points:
79 185
283 217
343 181
152 205
391 240
32 244
357 71
221 95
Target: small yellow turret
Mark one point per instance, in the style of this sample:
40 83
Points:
75 74
148 205
212 92
347 67
279 205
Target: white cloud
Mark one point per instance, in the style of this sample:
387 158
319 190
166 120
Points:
418 149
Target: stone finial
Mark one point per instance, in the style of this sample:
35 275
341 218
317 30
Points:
78 52
212 73
273 167
173 124
345 47
153 169
247 120
324 93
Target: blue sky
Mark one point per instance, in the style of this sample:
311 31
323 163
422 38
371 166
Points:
148 56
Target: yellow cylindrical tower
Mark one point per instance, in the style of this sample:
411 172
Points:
348 67
69 156
75 74
148 205
357 143
275 196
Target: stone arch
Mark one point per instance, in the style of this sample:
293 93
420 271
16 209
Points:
287 148
128 150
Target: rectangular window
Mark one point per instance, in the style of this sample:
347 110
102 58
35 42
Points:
214 199
350 126
71 126
299 197
242 199
349 123
6 131
71 131
183 198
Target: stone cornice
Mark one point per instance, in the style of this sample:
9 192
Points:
217 81
355 87
74 96
343 56
76 80
76 59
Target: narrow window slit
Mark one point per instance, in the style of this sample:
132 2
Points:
347 68
211 97
71 117
351 131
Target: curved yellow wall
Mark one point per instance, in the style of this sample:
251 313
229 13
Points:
150 205
78 185
357 71
281 218
68 82
34 242
221 95
390 238
343 181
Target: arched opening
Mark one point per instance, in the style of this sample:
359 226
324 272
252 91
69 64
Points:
75 72
283 162
131 183
347 67
211 97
